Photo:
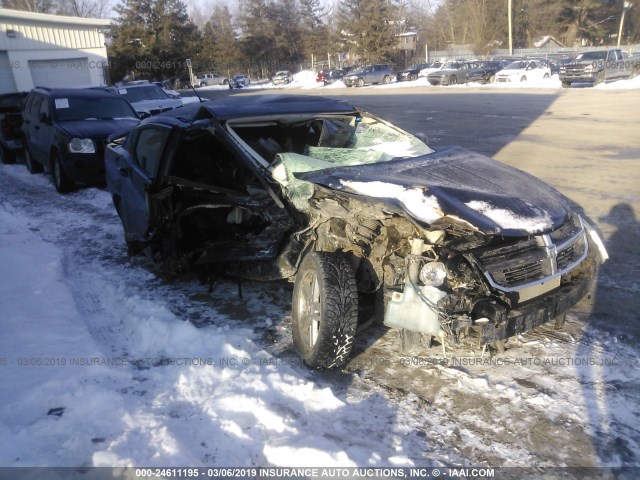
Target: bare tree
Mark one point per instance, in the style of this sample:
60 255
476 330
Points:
38 6
85 8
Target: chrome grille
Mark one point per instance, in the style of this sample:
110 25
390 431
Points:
536 260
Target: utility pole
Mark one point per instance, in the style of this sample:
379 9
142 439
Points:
625 6
510 29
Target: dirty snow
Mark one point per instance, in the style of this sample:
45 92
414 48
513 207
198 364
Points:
422 207
509 220
101 366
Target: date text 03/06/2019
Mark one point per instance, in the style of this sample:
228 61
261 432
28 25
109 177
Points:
315 473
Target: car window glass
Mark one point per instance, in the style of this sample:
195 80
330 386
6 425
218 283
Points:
44 108
149 147
28 103
35 106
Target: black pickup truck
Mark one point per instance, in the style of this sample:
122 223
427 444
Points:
10 123
598 67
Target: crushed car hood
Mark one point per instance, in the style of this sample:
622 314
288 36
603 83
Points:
494 198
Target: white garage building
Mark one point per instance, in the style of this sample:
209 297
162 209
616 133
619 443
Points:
43 50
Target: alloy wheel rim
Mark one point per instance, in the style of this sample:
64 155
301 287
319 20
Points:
309 309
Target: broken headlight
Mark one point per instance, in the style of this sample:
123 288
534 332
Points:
433 274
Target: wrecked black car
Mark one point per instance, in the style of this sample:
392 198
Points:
448 245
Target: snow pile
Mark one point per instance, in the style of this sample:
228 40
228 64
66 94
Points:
419 205
98 370
305 79
508 220
627 84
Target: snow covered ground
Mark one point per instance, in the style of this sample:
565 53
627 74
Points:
103 364
306 80
106 363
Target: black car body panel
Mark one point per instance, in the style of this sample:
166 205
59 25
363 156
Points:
458 244
457 177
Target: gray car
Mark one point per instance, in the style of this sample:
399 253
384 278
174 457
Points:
380 73
452 73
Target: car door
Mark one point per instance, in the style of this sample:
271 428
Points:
225 208
43 134
138 167
32 127
615 65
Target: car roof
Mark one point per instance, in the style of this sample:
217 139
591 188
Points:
239 106
128 86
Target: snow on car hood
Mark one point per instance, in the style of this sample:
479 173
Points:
491 196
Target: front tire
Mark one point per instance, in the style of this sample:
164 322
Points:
523 79
32 165
386 80
453 80
62 183
325 310
360 82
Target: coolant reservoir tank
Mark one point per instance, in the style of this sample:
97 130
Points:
407 310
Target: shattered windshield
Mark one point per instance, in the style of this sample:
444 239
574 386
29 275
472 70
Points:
337 139
305 144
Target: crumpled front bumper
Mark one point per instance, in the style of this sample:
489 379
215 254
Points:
534 313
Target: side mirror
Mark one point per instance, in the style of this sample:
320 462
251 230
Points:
144 115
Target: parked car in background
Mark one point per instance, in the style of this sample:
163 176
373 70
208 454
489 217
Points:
211 78
321 74
178 82
411 73
350 208
65 130
283 77
598 67
431 67
369 74
147 98
10 126
485 72
239 81
332 76
451 73
524 70
169 91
